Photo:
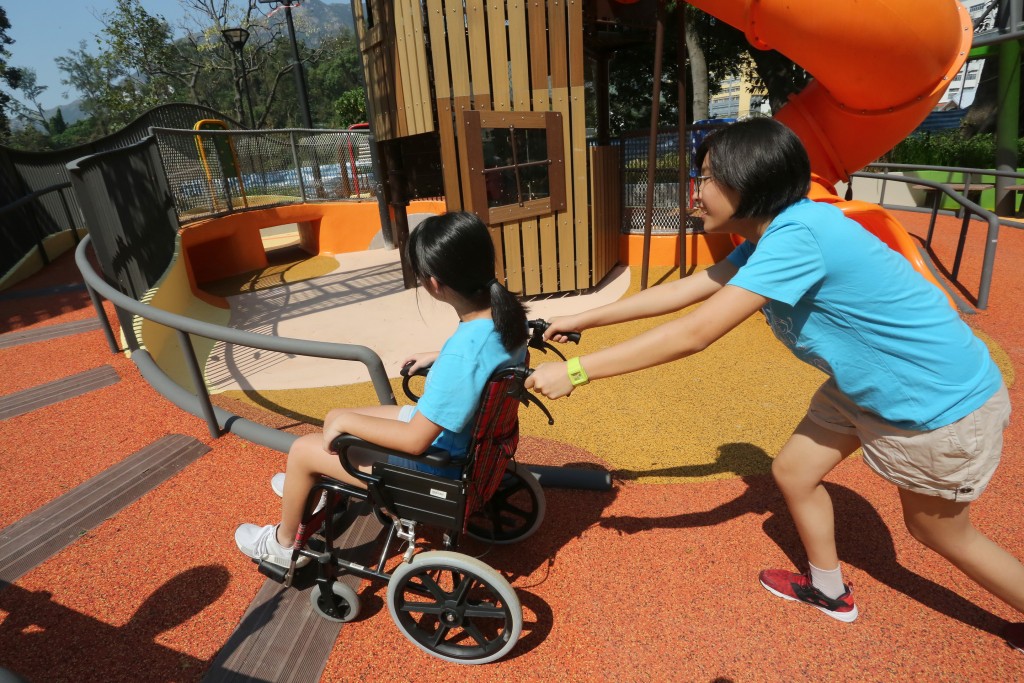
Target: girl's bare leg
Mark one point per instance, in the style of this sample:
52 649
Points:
945 527
810 454
307 461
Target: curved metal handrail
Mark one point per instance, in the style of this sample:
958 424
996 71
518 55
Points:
199 403
969 207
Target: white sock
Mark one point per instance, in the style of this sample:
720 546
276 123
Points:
828 581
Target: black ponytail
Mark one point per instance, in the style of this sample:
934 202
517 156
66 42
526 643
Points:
456 249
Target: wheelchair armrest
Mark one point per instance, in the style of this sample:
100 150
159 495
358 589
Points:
342 443
435 457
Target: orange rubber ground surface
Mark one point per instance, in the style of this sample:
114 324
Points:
643 583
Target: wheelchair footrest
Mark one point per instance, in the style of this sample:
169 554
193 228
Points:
272 571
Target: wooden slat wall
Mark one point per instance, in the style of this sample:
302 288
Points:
508 55
416 60
374 43
445 113
606 208
548 257
395 56
578 138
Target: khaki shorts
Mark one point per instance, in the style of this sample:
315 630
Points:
954 462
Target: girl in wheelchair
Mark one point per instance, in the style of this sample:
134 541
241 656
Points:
453 259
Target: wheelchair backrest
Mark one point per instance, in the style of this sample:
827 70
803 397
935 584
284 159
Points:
495 436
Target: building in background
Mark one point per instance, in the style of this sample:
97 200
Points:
964 87
737 99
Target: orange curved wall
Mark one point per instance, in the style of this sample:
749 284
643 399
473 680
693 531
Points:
230 245
701 249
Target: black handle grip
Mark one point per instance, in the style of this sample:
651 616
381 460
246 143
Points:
537 341
406 377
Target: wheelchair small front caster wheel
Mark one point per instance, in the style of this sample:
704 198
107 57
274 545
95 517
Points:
455 607
348 603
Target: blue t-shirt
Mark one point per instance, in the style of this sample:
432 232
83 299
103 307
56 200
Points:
846 303
456 382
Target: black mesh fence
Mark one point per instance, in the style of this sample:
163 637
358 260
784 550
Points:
128 207
213 172
22 173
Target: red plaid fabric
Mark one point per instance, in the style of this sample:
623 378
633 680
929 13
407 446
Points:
495 438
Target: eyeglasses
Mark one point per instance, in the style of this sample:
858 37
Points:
698 183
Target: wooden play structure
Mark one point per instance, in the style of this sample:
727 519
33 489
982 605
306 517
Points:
502 103
494 92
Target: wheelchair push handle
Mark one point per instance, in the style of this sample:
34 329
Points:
537 340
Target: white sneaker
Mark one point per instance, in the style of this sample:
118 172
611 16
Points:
260 543
277 484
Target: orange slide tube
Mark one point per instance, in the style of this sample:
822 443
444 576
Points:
879 67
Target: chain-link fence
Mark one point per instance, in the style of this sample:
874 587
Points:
214 172
669 154
665 214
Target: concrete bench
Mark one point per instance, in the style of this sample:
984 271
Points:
232 244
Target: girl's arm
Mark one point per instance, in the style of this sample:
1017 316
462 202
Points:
670 341
413 437
665 298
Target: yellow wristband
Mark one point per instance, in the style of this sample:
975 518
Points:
577 375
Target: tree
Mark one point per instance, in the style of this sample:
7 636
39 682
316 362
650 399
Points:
699 94
335 91
141 47
56 124
31 90
8 75
350 108
715 56
95 78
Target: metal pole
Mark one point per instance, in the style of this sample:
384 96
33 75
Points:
199 383
298 166
248 94
40 236
652 145
67 214
1008 114
989 261
108 332
300 78
684 168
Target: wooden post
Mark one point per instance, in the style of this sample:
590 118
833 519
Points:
652 145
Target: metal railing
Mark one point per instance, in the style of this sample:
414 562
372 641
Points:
969 177
216 172
968 211
199 403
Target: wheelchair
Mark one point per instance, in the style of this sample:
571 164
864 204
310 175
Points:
449 604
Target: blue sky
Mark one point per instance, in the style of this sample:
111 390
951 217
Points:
46 29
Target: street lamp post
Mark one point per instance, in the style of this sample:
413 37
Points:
236 37
300 77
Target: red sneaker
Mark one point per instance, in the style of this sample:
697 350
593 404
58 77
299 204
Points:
792 586
1014 635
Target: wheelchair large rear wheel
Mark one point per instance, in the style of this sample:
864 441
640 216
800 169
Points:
515 510
455 607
